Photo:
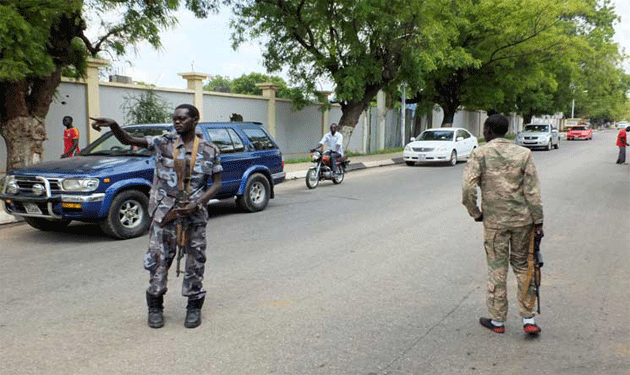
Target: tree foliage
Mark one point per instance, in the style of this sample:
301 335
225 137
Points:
146 108
362 46
526 56
41 38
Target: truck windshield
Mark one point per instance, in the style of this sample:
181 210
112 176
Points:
107 144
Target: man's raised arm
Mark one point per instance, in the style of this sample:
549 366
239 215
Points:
119 132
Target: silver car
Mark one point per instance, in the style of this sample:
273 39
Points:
543 136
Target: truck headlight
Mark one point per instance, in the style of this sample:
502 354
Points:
12 187
80 184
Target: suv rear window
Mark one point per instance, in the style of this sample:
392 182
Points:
226 139
259 139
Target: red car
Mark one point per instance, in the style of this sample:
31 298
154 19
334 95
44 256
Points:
580 132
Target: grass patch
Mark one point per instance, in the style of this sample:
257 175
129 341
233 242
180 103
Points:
348 154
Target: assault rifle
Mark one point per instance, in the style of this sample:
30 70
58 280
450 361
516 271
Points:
538 263
182 226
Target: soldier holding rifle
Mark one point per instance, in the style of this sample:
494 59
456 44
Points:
184 163
512 215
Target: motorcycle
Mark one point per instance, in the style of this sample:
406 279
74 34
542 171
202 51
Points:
322 169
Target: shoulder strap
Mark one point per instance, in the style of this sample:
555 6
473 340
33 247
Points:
183 175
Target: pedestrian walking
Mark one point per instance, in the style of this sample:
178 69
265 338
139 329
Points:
511 212
622 143
184 163
70 138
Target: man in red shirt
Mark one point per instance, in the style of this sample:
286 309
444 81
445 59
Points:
70 138
622 142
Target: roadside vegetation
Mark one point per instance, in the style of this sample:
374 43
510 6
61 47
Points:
529 57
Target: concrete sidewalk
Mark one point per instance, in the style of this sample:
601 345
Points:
298 170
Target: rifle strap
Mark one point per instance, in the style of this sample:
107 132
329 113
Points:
183 175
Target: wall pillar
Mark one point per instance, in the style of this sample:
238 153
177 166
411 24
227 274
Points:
195 83
269 92
381 113
93 95
326 114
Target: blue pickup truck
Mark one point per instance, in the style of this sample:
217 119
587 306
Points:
109 183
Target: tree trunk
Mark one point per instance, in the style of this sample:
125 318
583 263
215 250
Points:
527 118
22 120
351 112
449 113
24 137
349 118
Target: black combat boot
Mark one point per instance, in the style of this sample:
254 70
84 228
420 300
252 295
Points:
156 307
193 312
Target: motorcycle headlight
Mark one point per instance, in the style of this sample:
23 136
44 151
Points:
315 156
80 184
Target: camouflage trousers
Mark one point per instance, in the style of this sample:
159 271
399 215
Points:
162 252
511 246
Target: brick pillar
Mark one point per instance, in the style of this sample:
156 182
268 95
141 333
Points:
326 114
195 83
269 92
93 95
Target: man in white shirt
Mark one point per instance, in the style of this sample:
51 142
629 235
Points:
333 141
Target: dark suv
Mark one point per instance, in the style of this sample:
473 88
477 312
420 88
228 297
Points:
109 182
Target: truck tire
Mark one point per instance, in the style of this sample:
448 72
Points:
256 195
128 216
46 225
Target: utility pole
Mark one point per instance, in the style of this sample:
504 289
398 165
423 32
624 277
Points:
403 113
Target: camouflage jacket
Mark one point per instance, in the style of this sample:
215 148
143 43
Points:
164 191
510 191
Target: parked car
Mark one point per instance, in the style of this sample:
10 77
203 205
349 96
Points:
109 182
543 136
580 132
440 145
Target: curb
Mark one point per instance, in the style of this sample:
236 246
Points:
351 167
5 218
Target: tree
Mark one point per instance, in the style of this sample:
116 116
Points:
41 38
362 46
511 46
218 83
147 108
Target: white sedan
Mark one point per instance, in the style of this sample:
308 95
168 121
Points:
440 145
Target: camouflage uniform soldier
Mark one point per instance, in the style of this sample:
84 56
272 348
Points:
511 210
199 160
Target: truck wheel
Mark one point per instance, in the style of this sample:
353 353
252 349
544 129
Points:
128 216
46 224
256 195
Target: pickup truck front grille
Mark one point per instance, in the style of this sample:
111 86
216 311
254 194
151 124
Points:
26 183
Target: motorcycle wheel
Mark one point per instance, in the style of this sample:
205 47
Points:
339 178
312 179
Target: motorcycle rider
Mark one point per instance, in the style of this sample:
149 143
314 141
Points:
333 140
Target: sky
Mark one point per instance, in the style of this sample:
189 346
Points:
204 46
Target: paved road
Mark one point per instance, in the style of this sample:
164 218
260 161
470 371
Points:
383 274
